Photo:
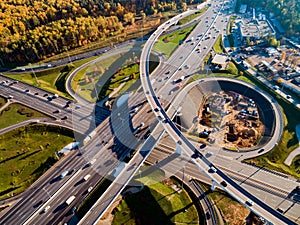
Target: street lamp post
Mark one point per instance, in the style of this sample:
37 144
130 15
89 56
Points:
33 73
66 48
182 178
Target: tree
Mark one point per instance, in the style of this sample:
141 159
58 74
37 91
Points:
184 6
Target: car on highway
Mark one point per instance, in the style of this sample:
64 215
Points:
249 202
73 209
63 174
46 208
27 90
38 203
288 97
92 162
64 118
135 110
90 189
223 183
176 81
212 169
86 177
207 215
55 96
261 150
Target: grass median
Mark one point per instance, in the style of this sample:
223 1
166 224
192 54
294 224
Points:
16 113
218 46
52 80
26 153
232 211
192 16
2 101
167 44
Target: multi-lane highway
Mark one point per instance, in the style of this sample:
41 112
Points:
80 118
111 145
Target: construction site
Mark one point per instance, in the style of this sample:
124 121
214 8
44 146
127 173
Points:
230 120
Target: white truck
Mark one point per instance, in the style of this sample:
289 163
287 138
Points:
63 174
86 177
70 200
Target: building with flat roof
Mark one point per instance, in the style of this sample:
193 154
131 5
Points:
270 67
219 59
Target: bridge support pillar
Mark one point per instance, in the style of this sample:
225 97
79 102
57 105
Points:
213 185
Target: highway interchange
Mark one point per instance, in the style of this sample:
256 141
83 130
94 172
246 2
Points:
108 150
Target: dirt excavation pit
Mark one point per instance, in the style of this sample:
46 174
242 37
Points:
230 120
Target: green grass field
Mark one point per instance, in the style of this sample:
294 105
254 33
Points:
2 101
166 44
110 72
85 81
52 80
275 159
10 114
218 45
229 30
233 76
156 204
232 211
124 76
26 153
192 16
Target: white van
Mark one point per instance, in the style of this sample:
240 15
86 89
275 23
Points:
86 177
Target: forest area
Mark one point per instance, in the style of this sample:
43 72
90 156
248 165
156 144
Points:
286 11
31 30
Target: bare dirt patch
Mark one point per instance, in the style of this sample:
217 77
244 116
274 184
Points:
230 120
